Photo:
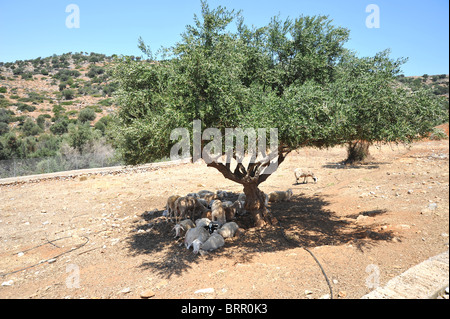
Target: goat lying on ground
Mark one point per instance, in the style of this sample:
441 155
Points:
280 196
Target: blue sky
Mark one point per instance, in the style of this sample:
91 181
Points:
418 30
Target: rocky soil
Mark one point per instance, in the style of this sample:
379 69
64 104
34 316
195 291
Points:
103 236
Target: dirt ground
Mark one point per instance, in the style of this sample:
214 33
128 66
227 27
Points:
365 225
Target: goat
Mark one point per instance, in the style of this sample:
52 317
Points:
204 193
182 227
192 234
231 209
182 206
299 173
279 196
228 230
218 212
202 222
188 206
170 207
212 243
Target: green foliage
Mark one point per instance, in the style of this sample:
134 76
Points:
40 121
4 128
23 107
79 135
30 128
27 75
68 94
60 126
104 124
294 75
66 74
3 89
4 102
86 115
95 70
106 102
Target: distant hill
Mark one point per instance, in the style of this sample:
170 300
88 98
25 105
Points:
61 85
57 107
437 83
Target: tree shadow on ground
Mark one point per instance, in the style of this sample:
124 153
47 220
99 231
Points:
305 220
365 165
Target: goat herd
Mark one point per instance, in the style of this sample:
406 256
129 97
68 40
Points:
213 214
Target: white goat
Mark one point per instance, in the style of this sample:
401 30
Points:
212 243
228 230
279 196
202 222
299 173
192 234
182 227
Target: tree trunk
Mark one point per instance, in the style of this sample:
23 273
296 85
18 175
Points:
357 152
254 204
250 178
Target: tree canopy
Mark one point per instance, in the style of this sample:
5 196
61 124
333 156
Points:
294 75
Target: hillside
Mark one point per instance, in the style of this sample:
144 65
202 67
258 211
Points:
437 83
58 107
72 81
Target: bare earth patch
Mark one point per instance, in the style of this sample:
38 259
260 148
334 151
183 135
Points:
389 215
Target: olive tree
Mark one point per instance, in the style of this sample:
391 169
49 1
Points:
292 75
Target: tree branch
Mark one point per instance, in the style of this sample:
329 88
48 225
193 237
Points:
283 151
226 172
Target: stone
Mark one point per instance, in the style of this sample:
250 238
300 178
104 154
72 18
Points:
204 291
146 294
125 290
361 218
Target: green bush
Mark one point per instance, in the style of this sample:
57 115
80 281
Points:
23 107
4 128
95 70
86 115
4 102
60 127
3 89
27 76
68 94
30 128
